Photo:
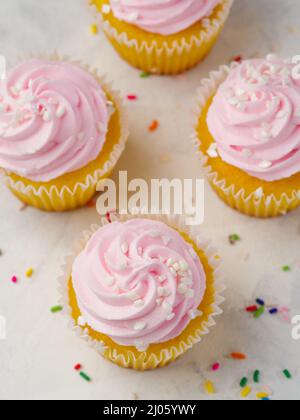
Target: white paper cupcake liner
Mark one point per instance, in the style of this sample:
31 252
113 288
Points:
256 203
166 355
76 194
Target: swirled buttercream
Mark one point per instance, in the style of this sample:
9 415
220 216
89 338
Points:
163 17
255 119
53 119
138 282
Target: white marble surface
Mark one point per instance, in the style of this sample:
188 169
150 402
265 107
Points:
36 360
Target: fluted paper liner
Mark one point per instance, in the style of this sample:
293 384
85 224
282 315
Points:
255 204
129 357
53 198
177 57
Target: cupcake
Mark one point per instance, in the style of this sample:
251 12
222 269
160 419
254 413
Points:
62 130
142 292
163 37
248 135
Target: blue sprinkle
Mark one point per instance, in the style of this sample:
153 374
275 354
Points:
266 399
273 311
260 302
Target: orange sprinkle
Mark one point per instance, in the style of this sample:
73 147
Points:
154 125
238 356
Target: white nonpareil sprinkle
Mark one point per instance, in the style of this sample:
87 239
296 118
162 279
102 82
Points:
265 164
176 266
170 262
60 112
81 136
259 193
182 288
139 303
195 313
47 116
246 153
163 291
187 280
170 316
162 278
167 307
190 293
109 280
106 9
139 326
133 296
173 271
4 107
141 346
133 16
297 113
212 151
81 321
184 265
125 247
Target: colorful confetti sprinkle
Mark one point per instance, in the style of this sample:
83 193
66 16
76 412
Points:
94 29
286 268
29 272
153 126
238 356
14 279
145 75
260 311
252 308
209 387
132 97
85 376
215 367
78 366
273 311
233 239
256 376
244 382
287 374
262 395
260 302
56 309
246 392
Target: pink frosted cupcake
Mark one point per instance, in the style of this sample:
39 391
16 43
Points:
166 37
142 292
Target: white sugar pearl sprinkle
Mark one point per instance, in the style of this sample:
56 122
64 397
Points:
195 313
125 247
167 306
139 326
60 112
170 317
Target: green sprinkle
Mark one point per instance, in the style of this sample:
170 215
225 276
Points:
234 238
256 377
286 268
85 376
244 383
145 75
260 311
56 309
287 374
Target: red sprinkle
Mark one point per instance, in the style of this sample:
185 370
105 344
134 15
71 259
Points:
78 367
154 125
252 308
132 97
215 367
14 279
238 356
238 59
108 218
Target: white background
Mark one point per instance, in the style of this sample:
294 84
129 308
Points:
36 360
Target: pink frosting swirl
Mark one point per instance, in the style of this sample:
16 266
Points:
53 119
255 119
165 17
138 282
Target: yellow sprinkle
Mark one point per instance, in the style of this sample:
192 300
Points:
262 395
94 29
245 392
29 272
209 387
